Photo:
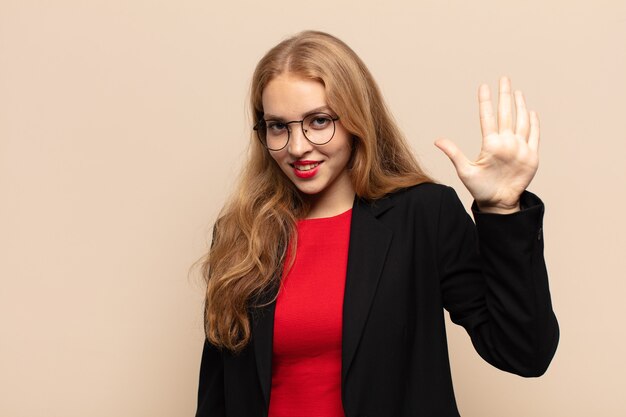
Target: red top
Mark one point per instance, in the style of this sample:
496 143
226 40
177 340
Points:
306 360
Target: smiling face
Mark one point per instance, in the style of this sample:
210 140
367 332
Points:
318 171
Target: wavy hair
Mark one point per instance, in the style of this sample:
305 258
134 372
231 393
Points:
257 225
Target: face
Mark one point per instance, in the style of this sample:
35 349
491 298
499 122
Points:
316 170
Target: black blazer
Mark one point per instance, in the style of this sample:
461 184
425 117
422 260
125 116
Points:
412 254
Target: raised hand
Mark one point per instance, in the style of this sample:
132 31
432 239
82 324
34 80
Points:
508 158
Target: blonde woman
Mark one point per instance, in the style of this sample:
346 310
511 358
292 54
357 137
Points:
332 263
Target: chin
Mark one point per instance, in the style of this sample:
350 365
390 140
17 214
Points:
309 190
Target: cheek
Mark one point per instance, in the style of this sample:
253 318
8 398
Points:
280 159
345 149
276 156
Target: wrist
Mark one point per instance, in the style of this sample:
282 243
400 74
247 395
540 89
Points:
485 207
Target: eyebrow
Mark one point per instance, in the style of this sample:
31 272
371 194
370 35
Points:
268 116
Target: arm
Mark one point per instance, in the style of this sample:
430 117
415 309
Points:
211 384
211 402
494 283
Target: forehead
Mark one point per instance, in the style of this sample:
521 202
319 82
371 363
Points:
290 96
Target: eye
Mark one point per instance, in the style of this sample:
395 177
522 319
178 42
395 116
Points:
276 127
319 121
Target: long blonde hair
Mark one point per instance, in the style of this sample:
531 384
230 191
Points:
256 226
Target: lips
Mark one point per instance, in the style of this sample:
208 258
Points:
305 169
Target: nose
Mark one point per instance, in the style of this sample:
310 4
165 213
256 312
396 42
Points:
298 144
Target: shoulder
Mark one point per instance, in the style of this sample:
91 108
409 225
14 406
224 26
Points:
413 214
423 202
425 194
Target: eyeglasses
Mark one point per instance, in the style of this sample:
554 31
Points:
318 128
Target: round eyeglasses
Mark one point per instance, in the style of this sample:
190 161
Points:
318 128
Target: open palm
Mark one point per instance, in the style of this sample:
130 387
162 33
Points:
508 158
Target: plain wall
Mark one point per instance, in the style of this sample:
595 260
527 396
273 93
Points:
123 126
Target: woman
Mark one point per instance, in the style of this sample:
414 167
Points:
332 263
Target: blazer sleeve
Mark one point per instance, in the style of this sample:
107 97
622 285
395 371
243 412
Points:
494 283
211 400
211 385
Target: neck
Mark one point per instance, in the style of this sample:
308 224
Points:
338 198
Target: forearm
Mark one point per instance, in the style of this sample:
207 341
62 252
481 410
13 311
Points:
522 324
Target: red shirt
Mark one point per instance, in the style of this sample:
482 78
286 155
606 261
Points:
306 360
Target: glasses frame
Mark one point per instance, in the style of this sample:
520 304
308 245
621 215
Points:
257 128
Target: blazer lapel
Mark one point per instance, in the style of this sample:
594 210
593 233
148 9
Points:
369 243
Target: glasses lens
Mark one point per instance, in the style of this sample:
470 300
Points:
273 134
319 128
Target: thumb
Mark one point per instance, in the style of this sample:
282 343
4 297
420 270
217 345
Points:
453 152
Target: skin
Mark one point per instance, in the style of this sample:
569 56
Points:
330 192
508 158
505 166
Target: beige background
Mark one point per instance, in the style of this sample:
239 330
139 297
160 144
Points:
122 125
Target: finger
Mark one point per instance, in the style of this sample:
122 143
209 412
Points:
522 122
488 124
453 152
533 137
505 113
